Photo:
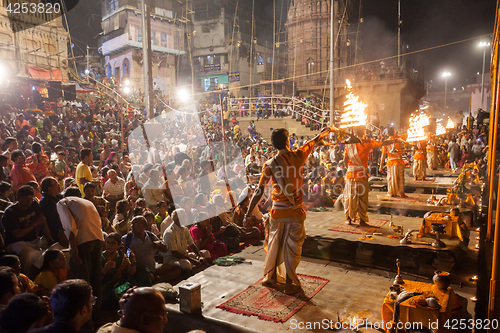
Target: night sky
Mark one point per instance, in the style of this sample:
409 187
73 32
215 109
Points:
429 23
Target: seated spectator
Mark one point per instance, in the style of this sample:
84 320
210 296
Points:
36 188
48 206
162 213
113 189
9 286
145 244
4 171
141 203
153 190
225 232
179 243
52 272
150 217
69 182
254 229
12 261
72 304
123 216
38 162
24 312
89 190
141 310
205 239
5 194
134 195
117 270
138 211
168 220
20 173
24 224
106 225
101 204
125 165
11 144
60 166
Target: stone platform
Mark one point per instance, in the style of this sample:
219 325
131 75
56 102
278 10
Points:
360 271
415 205
436 185
435 173
351 292
382 249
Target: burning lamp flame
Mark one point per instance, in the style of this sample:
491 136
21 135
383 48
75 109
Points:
416 132
354 321
450 124
354 110
440 130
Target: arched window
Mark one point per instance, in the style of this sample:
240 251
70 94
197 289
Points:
108 71
260 61
126 68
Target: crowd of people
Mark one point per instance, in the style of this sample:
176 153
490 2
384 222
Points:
98 199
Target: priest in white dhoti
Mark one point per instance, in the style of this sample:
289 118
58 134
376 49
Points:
285 228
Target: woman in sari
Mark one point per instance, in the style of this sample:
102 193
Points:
465 157
205 239
112 159
52 272
117 269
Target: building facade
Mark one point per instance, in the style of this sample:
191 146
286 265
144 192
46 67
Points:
122 43
308 30
33 45
233 49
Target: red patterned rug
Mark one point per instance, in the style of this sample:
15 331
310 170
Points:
272 304
374 224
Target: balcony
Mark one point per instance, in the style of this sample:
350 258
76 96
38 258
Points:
123 42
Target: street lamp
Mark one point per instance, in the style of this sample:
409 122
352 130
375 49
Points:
445 75
183 95
483 45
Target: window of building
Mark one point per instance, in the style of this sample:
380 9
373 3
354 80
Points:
126 68
108 71
139 35
152 38
113 5
164 40
310 66
209 60
217 59
260 61
196 61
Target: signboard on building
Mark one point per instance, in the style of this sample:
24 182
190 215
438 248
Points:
211 67
234 77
